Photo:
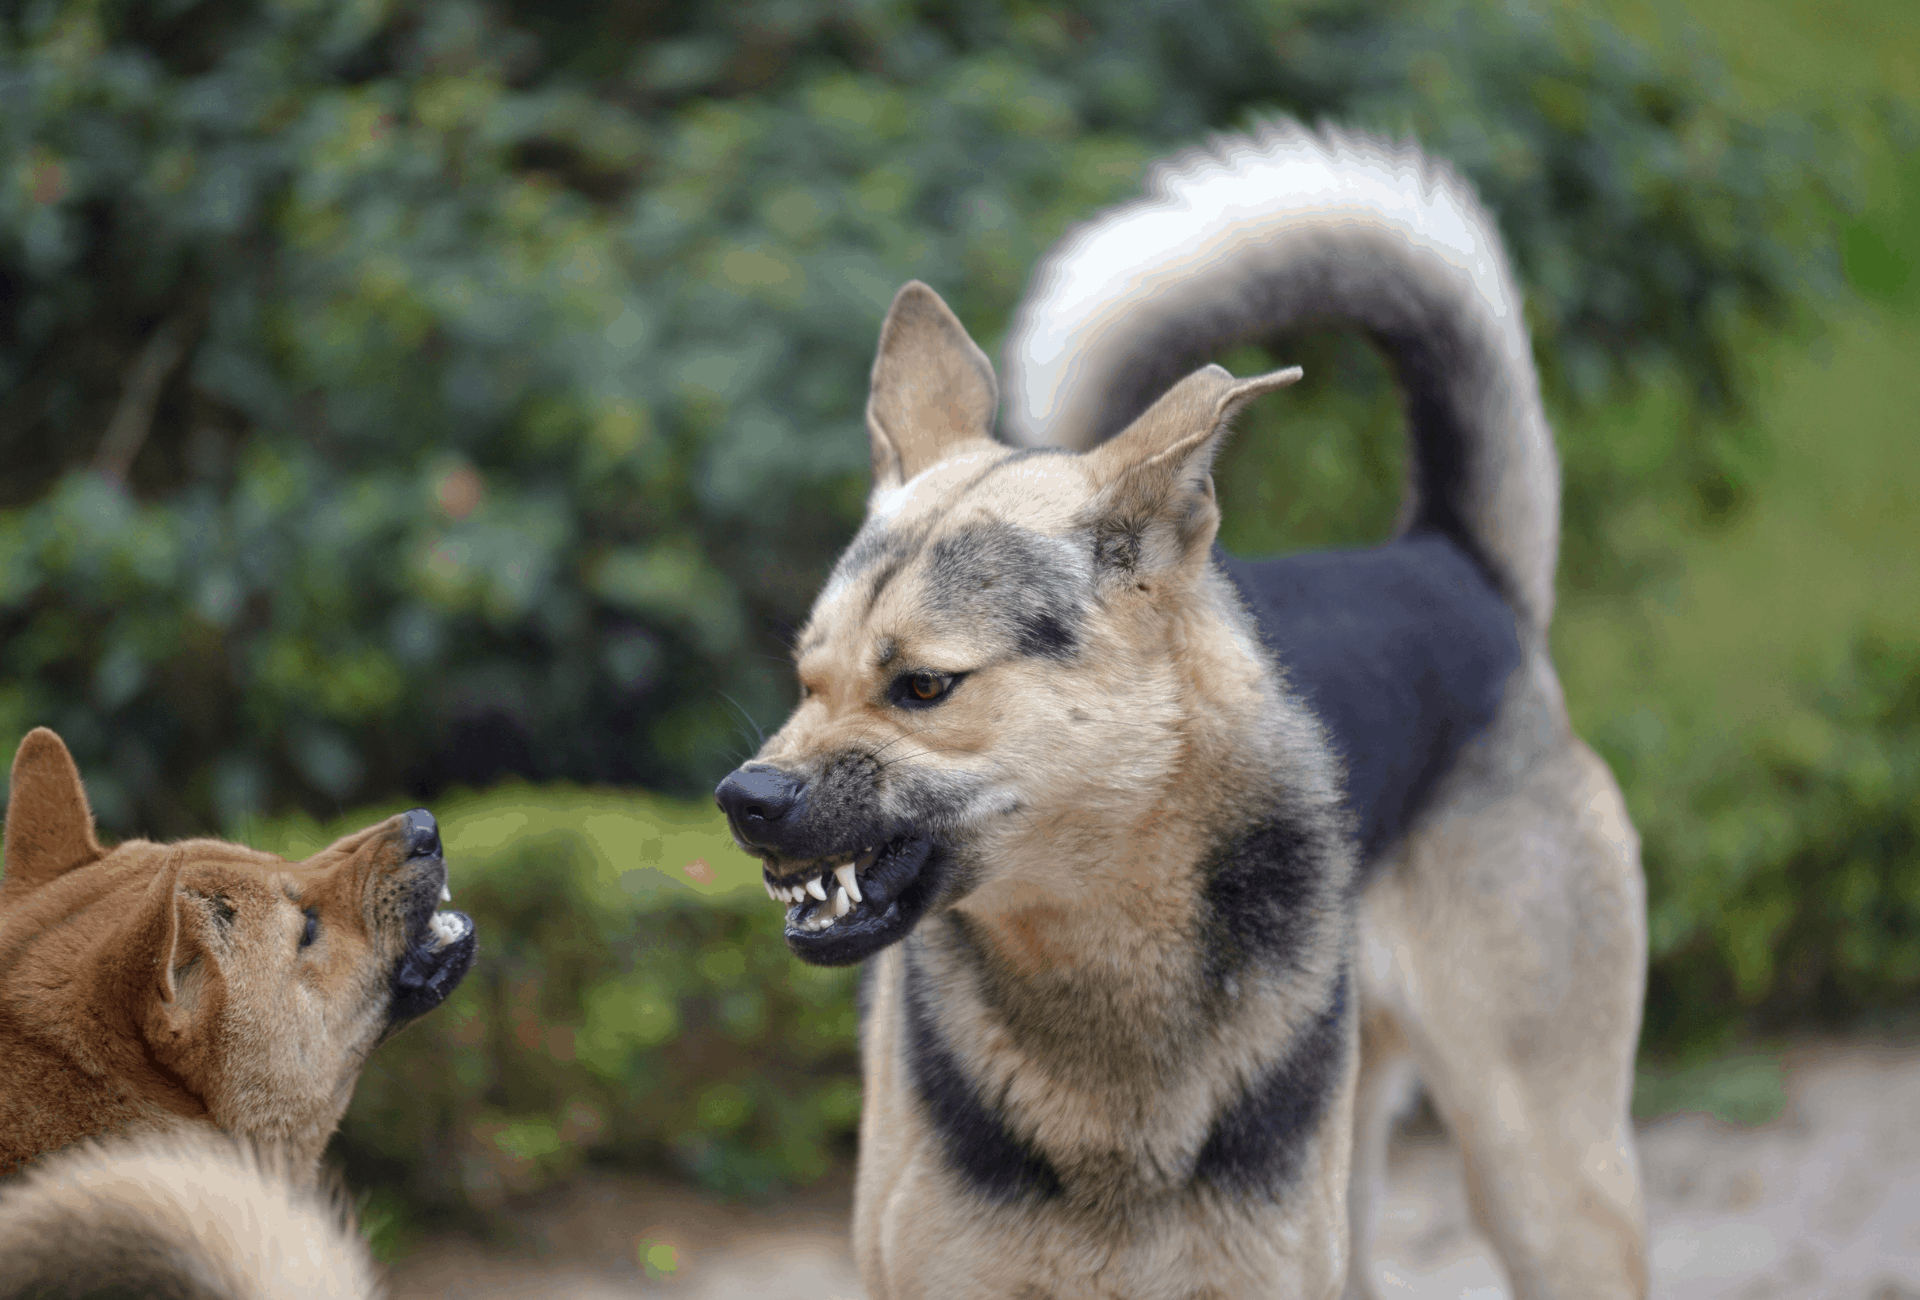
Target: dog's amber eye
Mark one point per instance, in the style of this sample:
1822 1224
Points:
922 689
312 930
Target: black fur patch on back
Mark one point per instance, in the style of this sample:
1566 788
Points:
1256 1144
979 1148
1008 578
1403 652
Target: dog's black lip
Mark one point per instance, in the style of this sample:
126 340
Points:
426 974
903 878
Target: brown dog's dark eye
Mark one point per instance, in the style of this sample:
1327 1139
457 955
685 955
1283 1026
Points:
312 932
923 689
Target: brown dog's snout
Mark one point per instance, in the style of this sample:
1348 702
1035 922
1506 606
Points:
758 802
422 833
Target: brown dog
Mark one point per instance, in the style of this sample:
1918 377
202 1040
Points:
153 986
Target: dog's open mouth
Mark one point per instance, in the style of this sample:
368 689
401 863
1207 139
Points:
844 908
440 948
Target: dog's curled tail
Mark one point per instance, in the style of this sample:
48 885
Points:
1250 235
184 1216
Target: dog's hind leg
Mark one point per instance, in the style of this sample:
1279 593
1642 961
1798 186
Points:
1508 936
1387 1086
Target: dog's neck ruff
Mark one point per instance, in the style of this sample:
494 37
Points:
1175 1041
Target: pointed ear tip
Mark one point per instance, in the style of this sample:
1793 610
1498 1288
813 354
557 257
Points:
41 741
1274 379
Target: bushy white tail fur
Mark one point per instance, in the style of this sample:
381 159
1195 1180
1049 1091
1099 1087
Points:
1249 235
185 1216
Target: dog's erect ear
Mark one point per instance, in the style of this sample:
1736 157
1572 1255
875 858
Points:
165 957
1155 505
49 826
933 388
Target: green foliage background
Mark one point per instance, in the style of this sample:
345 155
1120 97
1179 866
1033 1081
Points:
491 374
400 395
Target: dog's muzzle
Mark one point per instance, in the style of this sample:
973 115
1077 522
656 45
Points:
440 944
849 889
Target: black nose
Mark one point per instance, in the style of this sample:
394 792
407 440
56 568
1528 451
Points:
755 800
423 834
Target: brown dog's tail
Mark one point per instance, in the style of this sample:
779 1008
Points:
1251 235
187 1216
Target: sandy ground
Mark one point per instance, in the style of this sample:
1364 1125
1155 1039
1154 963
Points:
1822 1203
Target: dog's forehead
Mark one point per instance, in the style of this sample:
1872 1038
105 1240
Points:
243 862
980 548
1040 487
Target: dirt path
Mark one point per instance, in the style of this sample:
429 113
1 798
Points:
1823 1203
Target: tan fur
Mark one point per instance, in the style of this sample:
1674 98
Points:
190 1215
1504 953
1082 799
1100 787
151 986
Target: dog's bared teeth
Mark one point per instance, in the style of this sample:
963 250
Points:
844 874
817 889
841 903
777 894
446 894
446 927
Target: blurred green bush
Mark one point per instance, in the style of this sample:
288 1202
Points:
633 1004
1784 868
408 392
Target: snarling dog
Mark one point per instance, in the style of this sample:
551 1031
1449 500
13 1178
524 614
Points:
148 988
1172 866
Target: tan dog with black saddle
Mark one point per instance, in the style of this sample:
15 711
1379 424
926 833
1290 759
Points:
1172 866
151 988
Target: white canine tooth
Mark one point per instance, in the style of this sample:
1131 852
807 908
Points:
777 895
446 895
446 927
817 889
847 882
841 903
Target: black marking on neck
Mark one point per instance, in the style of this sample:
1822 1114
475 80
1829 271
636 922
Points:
979 1146
1256 1145
1265 888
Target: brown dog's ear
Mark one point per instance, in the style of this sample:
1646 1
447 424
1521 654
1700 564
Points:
49 826
161 941
933 388
169 977
1155 504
